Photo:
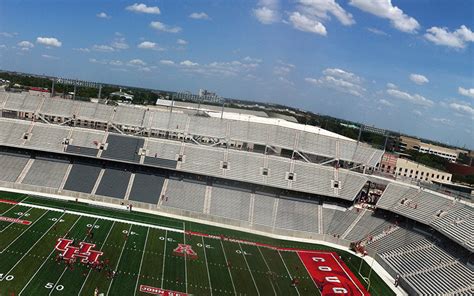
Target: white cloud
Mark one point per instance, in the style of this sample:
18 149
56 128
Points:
49 57
267 11
103 15
303 23
391 85
167 62
3 46
335 72
199 16
165 28
115 63
8 34
119 43
385 9
188 63
419 79
466 92
136 63
25 45
339 80
266 15
150 45
444 121
377 31
321 9
82 49
463 109
251 60
49 41
285 80
181 42
385 102
412 98
457 39
102 48
142 8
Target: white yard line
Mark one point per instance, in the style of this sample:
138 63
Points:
47 258
61 276
104 218
228 268
164 260
185 263
11 223
335 259
287 270
118 262
248 267
309 273
207 265
24 255
268 267
101 247
23 232
141 261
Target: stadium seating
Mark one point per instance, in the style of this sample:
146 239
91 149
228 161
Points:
146 188
82 178
114 183
46 173
203 160
263 210
297 215
184 195
123 147
49 138
11 166
230 203
129 116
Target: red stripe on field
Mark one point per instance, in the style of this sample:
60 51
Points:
330 274
7 201
15 220
158 291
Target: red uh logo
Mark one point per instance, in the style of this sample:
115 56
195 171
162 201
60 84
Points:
187 250
84 251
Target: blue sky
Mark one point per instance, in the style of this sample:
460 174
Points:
402 65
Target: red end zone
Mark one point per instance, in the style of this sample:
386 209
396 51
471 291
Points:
15 220
330 274
7 201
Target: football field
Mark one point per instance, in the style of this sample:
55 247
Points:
49 251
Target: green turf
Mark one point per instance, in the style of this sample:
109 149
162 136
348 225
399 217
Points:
146 256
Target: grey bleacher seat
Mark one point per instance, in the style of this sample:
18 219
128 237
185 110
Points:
317 144
297 215
350 184
94 112
263 209
123 148
277 169
203 126
82 177
46 173
328 215
395 239
458 224
156 119
341 221
231 204
58 107
22 102
203 160
162 149
369 224
114 183
129 115
185 195
146 188
47 137
12 132
313 178
245 166
392 194
86 138
11 166
160 162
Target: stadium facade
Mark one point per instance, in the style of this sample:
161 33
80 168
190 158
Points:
292 181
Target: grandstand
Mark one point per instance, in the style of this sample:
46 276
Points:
212 169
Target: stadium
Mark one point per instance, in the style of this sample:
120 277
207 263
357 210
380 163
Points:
129 200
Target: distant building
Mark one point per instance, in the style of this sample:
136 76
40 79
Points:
407 143
122 96
396 166
203 96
